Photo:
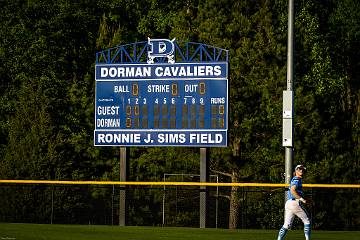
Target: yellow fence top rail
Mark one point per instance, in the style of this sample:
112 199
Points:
56 182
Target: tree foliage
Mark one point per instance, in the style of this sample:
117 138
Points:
47 52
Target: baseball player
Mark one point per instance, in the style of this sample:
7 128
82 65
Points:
294 205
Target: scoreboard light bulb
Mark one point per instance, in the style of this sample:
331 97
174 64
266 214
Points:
156 110
201 123
193 123
136 122
174 89
164 110
144 123
213 109
164 122
144 110
173 110
221 123
213 123
135 89
128 110
193 111
221 109
156 123
172 122
136 110
202 88
128 122
184 110
202 110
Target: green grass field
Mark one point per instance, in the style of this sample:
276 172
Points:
90 232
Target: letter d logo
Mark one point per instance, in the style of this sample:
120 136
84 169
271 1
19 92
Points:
161 48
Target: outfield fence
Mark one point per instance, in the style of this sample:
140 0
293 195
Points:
254 205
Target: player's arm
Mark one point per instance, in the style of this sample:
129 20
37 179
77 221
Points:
296 194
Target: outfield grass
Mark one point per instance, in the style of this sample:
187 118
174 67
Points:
90 232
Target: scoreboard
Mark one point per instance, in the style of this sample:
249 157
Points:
179 104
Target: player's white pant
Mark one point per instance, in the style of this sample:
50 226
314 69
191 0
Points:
294 208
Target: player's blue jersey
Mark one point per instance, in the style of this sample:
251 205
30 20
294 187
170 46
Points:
298 183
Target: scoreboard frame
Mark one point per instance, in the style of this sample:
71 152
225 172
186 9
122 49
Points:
178 97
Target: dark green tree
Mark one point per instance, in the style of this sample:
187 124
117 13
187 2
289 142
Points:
47 52
253 33
327 95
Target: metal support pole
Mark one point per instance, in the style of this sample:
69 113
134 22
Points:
217 203
52 206
112 205
290 80
123 177
289 155
204 177
163 204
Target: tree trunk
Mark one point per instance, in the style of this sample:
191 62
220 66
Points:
234 200
234 204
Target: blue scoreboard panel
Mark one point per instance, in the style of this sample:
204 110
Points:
161 104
